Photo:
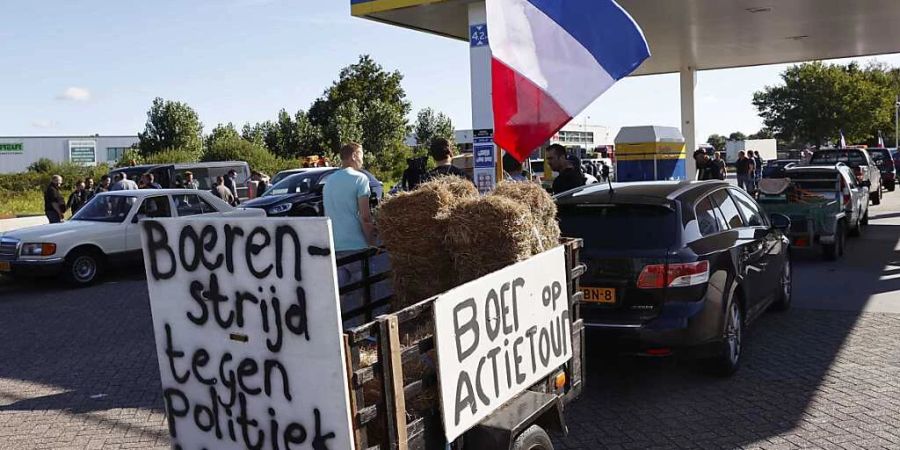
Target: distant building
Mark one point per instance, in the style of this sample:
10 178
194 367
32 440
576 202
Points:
580 138
18 152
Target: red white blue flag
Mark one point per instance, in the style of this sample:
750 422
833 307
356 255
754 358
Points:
553 58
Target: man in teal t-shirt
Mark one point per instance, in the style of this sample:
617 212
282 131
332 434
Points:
346 201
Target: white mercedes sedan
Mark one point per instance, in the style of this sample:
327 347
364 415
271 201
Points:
105 232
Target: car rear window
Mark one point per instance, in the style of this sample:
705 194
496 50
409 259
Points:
850 157
620 227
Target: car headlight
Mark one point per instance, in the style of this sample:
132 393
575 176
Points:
278 209
38 249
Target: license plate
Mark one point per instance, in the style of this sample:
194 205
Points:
599 295
5 266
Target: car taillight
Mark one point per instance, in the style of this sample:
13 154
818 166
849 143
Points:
657 276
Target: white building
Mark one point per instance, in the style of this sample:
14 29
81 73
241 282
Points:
18 152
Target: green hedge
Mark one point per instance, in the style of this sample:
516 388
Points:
39 173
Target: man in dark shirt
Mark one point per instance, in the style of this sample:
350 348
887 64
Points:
148 182
231 184
744 167
78 198
442 152
54 203
570 177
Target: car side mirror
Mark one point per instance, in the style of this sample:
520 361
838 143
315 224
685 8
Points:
780 222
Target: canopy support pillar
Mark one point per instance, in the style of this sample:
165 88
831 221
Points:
688 125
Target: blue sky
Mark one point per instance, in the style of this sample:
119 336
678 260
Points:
94 66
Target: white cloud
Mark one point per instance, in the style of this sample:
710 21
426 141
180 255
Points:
75 94
45 124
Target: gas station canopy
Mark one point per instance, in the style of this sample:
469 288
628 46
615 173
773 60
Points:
705 34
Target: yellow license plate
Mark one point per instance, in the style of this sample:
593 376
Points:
5 266
599 295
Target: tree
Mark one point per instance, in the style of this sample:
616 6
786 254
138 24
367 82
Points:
816 101
737 136
717 141
430 126
171 125
222 132
366 104
763 133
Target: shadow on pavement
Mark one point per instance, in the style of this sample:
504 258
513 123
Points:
93 347
787 382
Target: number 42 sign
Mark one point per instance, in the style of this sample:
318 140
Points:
478 35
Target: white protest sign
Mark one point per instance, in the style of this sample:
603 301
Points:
498 335
248 333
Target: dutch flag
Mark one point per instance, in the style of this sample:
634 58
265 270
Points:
551 59
843 140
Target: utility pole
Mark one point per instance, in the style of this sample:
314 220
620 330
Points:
897 124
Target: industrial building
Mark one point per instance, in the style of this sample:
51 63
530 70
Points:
18 152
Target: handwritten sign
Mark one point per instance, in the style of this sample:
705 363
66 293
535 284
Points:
248 335
498 335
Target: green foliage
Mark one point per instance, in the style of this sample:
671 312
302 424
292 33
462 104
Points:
171 124
737 136
763 133
817 100
21 203
717 141
42 165
221 132
172 156
235 148
288 137
430 126
368 105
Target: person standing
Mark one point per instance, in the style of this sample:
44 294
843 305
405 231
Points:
190 182
758 163
346 201
103 186
147 182
54 203
442 152
89 188
745 170
219 190
717 167
701 158
78 198
123 183
570 177
231 184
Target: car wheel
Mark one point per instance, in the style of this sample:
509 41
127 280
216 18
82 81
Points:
729 358
857 230
865 218
832 252
891 186
875 197
786 287
83 267
533 438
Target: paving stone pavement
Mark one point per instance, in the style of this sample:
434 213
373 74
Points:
78 370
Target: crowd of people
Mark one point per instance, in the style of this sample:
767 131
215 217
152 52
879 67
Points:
748 168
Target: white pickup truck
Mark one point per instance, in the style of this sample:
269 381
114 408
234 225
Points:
103 233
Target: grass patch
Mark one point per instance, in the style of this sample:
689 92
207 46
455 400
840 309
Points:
21 203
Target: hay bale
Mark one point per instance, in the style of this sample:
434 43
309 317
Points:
458 187
542 206
411 225
488 233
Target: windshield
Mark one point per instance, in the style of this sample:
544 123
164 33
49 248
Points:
853 158
106 208
620 227
296 184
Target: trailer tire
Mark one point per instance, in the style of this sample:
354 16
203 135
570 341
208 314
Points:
833 252
533 438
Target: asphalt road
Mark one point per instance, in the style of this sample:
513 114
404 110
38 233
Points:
78 368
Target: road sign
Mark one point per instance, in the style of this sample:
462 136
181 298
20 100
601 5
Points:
478 35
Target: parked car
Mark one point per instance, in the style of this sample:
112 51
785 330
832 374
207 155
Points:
300 194
775 168
284 174
859 160
172 175
104 233
677 266
824 203
885 162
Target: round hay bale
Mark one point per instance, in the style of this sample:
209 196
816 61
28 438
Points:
488 233
411 225
542 207
457 186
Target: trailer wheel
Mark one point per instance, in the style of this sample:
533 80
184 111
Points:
533 438
833 252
